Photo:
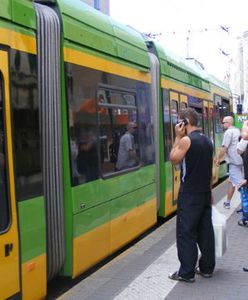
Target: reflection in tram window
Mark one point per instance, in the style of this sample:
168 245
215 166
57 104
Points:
217 114
183 105
96 104
211 126
117 115
205 120
174 115
167 126
87 156
4 207
26 131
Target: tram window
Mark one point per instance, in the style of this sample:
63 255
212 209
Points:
225 108
211 128
205 120
83 129
218 114
4 202
118 119
200 117
26 131
183 105
174 115
100 110
167 126
145 127
217 120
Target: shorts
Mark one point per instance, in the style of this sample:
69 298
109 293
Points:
235 174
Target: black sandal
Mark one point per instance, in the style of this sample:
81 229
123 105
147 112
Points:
175 276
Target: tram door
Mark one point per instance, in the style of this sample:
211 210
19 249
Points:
9 244
174 98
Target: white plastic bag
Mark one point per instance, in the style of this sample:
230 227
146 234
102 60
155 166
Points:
220 234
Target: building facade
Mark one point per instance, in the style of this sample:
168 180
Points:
102 5
239 74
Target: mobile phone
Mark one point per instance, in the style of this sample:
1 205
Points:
184 121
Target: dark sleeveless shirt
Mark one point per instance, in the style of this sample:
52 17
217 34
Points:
196 169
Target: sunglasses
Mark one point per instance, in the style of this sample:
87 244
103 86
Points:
224 122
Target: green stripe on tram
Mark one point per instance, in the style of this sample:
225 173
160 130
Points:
32 228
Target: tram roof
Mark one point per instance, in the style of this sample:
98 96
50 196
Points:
178 68
19 12
86 26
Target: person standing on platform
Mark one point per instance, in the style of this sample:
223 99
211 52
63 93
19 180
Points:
234 160
194 213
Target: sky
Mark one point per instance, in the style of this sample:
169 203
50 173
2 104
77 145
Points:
190 28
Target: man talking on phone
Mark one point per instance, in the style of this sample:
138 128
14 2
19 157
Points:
194 212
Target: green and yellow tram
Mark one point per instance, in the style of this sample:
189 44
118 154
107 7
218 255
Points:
70 75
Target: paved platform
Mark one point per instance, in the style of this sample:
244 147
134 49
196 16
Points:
141 272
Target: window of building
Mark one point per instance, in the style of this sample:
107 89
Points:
97 4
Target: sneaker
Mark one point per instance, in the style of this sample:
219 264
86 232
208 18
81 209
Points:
243 223
205 275
175 276
239 210
226 205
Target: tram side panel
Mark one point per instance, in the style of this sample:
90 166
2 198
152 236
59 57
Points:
27 178
25 184
109 207
9 238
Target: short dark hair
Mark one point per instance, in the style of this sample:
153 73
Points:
189 113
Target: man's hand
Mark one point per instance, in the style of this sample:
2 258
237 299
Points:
220 156
217 162
180 130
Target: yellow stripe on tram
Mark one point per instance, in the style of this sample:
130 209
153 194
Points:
184 88
18 41
98 63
